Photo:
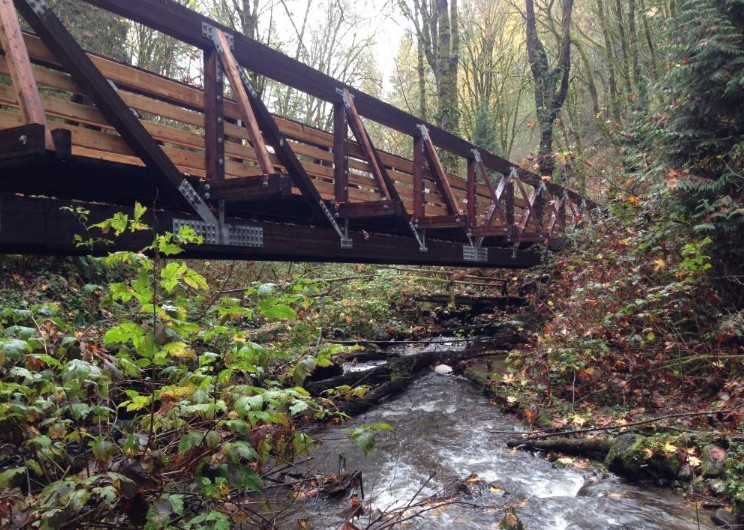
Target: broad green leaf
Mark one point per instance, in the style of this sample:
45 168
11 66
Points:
14 349
9 474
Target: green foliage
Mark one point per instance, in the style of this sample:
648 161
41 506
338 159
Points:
168 382
696 133
364 436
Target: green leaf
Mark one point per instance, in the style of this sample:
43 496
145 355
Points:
189 441
8 475
139 211
274 311
299 406
14 349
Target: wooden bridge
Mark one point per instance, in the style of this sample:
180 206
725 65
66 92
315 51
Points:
81 129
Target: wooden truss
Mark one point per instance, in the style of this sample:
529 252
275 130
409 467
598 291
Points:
123 134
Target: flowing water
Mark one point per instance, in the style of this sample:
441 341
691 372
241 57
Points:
443 432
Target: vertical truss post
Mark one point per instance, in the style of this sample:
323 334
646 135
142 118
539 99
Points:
472 188
340 154
21 74
419 205
214 119
539 206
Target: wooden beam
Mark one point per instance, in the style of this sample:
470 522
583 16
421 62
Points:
340 154
39 226
443 221
24 141
58 39
21 74
370 153
440 176
214 117
369 209
472 185
241 97
258 187
419 206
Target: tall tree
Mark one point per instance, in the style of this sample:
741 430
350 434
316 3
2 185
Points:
438 34
551 82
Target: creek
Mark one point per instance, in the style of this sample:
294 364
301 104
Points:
443 432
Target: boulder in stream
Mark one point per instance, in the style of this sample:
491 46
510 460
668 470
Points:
636 457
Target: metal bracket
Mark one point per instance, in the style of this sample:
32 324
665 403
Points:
424 131
347 103
473 253
214 230
210 32
39 6
476 156
343 234
420 238
233 235
513 173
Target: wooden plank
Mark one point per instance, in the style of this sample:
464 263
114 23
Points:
96 86
246 110
21 74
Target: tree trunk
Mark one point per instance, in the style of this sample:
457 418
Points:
551 83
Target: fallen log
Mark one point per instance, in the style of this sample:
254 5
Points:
373 376
474 301
596 448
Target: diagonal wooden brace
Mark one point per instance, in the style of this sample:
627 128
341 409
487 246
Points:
384 182
440 177
232 70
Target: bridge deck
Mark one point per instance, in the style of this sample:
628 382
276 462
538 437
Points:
374 206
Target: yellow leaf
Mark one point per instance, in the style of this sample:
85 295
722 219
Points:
694 461
669 448
511 400
508 378
578 421
659 264
566 461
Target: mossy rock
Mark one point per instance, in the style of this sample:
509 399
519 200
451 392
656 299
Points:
637 457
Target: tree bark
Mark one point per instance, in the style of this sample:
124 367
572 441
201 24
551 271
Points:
551 83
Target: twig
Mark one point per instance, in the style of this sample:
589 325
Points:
548 434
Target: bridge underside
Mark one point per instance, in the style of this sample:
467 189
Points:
78 129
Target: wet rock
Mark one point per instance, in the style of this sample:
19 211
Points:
712 464
723 518
685 473
717 486
619 459
635 457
